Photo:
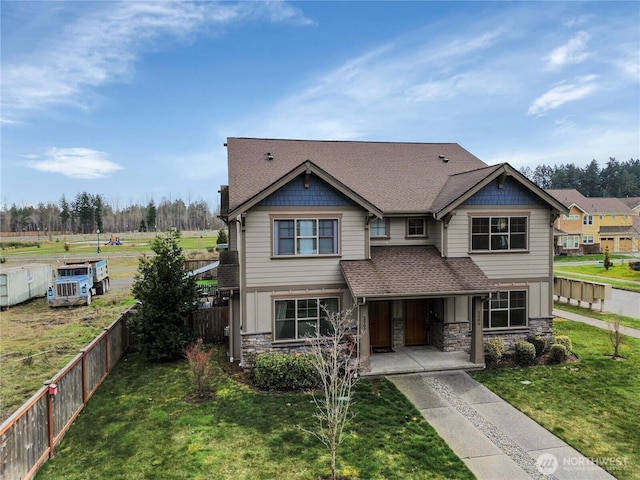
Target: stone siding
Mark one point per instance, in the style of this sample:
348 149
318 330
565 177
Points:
398 332
456 337
537 327
254 344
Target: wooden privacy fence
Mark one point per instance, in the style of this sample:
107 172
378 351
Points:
582 291
210 324
29 436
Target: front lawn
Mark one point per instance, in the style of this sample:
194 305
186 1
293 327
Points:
139 425
592 404
631 322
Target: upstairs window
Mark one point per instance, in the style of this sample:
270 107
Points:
416 227
308 236
379 228
506 310
498 233
301 317
588 219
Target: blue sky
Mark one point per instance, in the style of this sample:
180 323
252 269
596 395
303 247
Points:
134 100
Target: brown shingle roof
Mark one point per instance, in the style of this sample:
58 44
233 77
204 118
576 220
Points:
591 205
374 170
413 271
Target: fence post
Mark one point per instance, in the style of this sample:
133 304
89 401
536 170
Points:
83 368
106 351
51 431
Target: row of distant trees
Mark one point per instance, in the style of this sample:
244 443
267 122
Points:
615 179
88 213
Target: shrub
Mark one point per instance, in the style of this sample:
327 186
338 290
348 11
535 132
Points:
495 347
282 371
557 353
564 340
540 344
200 362
525 354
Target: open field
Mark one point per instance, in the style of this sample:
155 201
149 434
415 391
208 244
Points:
36 341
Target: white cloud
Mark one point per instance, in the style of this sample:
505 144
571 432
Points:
101 45
79 163
571 52
562 94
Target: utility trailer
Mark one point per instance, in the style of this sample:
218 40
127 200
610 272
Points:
21 283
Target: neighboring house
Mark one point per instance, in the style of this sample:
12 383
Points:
594 224
428 243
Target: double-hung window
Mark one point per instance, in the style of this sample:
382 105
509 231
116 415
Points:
588 219
498 233
298 318
305 236
506 310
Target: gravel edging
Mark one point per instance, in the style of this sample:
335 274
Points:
499 439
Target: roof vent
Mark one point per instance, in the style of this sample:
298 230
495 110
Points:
443 158
269 156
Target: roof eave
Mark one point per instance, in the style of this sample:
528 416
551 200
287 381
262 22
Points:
307 167
505 169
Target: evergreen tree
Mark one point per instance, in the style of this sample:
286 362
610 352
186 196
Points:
590 182
167 297
65 213
151 216
98 209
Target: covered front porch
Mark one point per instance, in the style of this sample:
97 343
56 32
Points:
425 358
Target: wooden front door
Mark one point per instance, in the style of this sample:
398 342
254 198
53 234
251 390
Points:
415 330
380 324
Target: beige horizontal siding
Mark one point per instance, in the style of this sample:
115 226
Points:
262 269
534 263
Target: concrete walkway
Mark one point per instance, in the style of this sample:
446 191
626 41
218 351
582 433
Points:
494 439
631 332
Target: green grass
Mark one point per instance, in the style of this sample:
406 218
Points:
38 341
134 243
592 404
596 257
619 275
139 426
631 322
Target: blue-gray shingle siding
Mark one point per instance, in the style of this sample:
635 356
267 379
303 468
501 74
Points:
512 193
294 193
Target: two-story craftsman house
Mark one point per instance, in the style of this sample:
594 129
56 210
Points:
431 245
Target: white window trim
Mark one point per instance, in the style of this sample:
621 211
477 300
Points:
587 220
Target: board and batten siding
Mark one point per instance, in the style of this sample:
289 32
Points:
398 233
262 269
259 306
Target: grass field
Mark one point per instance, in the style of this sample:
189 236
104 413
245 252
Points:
37 341
591 404
631 322
139 425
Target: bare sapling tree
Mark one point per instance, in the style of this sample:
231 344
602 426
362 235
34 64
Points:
335 358
615 336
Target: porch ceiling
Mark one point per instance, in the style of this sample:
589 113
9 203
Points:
416 271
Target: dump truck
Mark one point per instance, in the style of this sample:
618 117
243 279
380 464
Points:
19 284
76 283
